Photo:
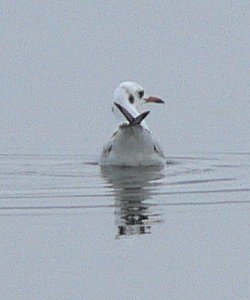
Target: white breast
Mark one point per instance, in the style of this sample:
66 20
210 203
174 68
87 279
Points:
132 146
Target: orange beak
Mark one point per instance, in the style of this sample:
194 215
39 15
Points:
153 99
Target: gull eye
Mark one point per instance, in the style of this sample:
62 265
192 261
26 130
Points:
131 99
141 94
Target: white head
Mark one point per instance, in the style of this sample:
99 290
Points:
131 95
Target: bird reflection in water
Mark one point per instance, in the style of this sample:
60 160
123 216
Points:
133 188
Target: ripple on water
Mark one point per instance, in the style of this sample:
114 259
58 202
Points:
74 182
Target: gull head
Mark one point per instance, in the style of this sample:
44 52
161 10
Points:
131 94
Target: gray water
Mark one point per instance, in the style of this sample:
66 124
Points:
71 230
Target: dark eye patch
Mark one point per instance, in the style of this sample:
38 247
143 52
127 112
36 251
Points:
131 99
141 94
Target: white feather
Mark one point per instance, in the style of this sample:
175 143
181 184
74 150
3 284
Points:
131 145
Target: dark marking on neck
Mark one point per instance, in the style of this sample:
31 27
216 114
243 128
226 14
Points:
131 99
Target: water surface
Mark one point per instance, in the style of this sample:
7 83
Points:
73 230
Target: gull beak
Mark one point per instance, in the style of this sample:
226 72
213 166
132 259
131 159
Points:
153 99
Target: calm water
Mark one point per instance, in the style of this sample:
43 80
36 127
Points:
70 230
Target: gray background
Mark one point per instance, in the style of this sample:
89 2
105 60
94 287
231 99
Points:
59 214
61 61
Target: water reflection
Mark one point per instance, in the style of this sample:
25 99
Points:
132 187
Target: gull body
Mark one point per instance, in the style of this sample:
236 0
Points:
132 144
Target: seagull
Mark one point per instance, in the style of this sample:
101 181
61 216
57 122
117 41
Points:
132 144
